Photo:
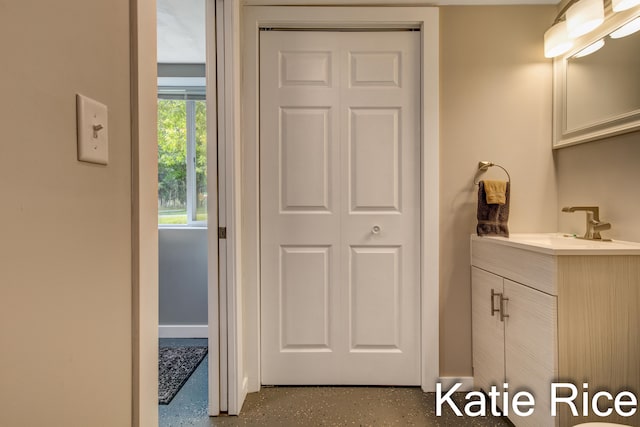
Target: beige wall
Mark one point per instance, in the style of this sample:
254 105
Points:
495 104
65 244
602 173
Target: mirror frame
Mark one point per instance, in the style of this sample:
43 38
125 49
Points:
623 123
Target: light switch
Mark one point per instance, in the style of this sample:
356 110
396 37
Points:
93 137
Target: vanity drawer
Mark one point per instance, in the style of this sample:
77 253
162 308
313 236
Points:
533 269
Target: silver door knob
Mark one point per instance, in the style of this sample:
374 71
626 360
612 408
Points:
375 229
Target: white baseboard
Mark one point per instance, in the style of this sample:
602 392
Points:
448 382
183 331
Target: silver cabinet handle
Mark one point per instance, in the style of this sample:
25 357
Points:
376 229
502 309
494 294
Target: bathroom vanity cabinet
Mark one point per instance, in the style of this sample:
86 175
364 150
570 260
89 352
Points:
548 309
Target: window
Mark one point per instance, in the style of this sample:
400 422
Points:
182 157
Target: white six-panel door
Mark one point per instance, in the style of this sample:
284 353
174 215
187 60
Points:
339 201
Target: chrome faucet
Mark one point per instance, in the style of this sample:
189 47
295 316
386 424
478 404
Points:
594 225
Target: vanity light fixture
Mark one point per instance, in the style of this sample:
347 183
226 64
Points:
577 18
556 40
627 29
584 16
620 5
590 49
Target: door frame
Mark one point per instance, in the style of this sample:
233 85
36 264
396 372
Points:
144 209
226 74
246 147
144 213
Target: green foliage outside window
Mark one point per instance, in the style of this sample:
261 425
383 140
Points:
172 161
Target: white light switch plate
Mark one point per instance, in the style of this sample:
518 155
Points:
93 137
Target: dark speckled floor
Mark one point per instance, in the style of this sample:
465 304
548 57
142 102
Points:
314 406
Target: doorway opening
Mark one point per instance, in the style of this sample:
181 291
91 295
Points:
187 213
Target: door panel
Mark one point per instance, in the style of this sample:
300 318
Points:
304 148
375 164
304 291
305 68
375 69
339 199
375 299
488 330
530 337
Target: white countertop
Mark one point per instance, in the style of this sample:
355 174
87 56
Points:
561 244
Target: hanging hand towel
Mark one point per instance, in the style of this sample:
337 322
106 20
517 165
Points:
492 218
495 191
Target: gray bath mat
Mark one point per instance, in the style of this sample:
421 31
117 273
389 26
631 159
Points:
175 366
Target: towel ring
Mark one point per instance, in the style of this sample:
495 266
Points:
484 166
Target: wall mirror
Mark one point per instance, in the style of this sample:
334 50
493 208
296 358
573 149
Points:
597 95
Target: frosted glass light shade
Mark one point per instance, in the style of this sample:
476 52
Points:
627 29
590 49
584 17
556 40
620 5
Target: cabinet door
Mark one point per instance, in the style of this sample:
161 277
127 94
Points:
531 349
488 331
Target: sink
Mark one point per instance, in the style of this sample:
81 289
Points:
563 244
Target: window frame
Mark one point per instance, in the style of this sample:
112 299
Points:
189 94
